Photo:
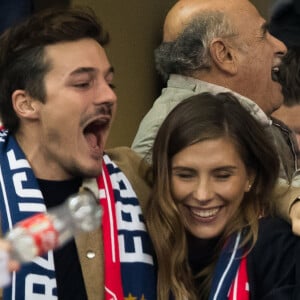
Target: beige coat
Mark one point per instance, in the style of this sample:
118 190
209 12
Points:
91 244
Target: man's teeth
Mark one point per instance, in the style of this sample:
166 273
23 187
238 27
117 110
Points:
205 213
275 73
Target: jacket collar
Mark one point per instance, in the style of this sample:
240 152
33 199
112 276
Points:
199 86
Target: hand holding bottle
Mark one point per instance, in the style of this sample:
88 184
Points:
7 265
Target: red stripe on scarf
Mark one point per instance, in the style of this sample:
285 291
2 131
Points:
240 287
112 267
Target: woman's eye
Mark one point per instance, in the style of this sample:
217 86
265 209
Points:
184 175
82 84
223 175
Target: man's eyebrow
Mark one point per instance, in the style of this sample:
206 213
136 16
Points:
82 70
90 70
265 27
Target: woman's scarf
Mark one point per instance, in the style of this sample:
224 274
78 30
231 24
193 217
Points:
230 280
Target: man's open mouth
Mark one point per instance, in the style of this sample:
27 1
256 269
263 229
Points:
93 131
276 74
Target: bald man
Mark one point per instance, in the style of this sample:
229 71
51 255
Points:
221 46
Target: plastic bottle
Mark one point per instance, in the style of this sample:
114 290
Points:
46 231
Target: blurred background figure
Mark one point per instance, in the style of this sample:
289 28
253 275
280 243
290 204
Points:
285 21
289 112
285 25
12 11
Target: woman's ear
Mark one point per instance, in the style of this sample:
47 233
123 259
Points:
223 56
24 106
251 179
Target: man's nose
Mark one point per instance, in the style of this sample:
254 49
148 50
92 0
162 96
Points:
280 47
105 93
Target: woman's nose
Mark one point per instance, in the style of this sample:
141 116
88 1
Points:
203 190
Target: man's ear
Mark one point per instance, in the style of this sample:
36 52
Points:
24 106
222 55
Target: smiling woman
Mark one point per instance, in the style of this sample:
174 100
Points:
208 182
213 171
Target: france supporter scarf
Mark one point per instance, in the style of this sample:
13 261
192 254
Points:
230 280
129 265
21 198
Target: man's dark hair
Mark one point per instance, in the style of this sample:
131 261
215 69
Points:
22 62
290 77
285 22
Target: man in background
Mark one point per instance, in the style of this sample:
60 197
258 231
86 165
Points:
222 46
285 25
206 47
289 112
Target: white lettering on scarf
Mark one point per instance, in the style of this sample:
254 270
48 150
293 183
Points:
46 286
121 178
133 222
18 179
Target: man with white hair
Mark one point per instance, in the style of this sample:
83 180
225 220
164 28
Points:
222 46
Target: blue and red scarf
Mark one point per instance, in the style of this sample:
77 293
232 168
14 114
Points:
129 270
129 265
230 280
